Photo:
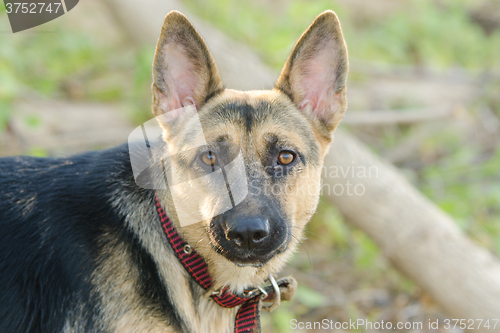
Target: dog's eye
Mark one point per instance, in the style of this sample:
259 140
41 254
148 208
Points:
286 157
208 158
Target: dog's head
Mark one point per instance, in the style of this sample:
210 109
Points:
279 137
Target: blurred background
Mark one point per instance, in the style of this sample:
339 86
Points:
423 93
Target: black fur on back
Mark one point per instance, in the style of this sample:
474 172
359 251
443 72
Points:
52 214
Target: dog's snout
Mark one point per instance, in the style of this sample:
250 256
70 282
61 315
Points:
248 233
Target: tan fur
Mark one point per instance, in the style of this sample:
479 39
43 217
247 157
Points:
169 267
115 282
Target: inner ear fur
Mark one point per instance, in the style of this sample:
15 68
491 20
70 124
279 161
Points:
315 74
184 72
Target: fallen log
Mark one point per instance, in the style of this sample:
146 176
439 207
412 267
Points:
416 236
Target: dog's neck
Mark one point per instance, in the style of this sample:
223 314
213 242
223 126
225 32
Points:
191 303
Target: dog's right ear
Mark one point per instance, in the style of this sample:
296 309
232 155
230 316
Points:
184 72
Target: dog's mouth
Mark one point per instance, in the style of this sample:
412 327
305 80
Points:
253 257
249 258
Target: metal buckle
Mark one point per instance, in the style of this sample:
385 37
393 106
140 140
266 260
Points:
264 293
187 249
277 296
212 292
250 293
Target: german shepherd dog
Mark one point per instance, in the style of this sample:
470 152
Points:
84 248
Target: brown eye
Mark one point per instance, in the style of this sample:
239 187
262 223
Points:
208 158
286 157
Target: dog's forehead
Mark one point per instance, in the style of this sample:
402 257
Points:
256 116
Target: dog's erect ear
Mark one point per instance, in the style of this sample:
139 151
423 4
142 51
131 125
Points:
315 73
184 72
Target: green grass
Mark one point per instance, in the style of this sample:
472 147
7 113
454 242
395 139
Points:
72 64
467 188
428 35
423 33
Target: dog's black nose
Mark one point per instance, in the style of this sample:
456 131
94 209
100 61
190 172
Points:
248 233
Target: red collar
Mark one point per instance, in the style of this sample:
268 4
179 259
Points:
248 316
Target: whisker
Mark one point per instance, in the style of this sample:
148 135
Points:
312 233
200 227
201 237
302 244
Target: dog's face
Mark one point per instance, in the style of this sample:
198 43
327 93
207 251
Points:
280 136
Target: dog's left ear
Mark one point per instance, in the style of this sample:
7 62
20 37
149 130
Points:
184 72
315 74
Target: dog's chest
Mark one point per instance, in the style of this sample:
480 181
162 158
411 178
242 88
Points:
213 317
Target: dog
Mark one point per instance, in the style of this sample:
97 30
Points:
84 248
